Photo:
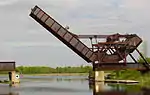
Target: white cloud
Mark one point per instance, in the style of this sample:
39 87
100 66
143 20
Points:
136 4
32 44
7 2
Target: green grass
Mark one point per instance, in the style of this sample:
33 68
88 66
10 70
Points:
144 79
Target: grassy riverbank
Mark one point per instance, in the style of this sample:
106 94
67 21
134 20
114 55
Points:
144 79
50 70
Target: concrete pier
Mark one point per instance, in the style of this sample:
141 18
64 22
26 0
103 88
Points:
99 76
14 77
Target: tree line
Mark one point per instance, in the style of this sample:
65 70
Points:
67 69
47 70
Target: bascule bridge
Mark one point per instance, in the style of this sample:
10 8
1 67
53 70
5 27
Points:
109 54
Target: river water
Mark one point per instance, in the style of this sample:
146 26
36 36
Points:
68 85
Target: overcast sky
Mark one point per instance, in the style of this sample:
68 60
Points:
26 42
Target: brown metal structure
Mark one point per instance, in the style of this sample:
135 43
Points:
109 54
7 66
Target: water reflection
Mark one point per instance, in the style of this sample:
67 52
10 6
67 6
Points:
69 85
6 90
118 89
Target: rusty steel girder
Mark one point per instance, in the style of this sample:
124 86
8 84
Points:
116 47
7 65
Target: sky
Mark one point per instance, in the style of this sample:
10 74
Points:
26 42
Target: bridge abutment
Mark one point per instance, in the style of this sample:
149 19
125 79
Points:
14 77
99 76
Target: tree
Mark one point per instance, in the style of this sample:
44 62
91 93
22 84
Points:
140 60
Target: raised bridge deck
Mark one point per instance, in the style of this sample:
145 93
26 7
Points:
62 34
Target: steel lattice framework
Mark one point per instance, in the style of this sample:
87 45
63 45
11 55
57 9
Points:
107 55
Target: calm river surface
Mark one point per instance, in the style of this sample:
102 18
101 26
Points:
67 85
